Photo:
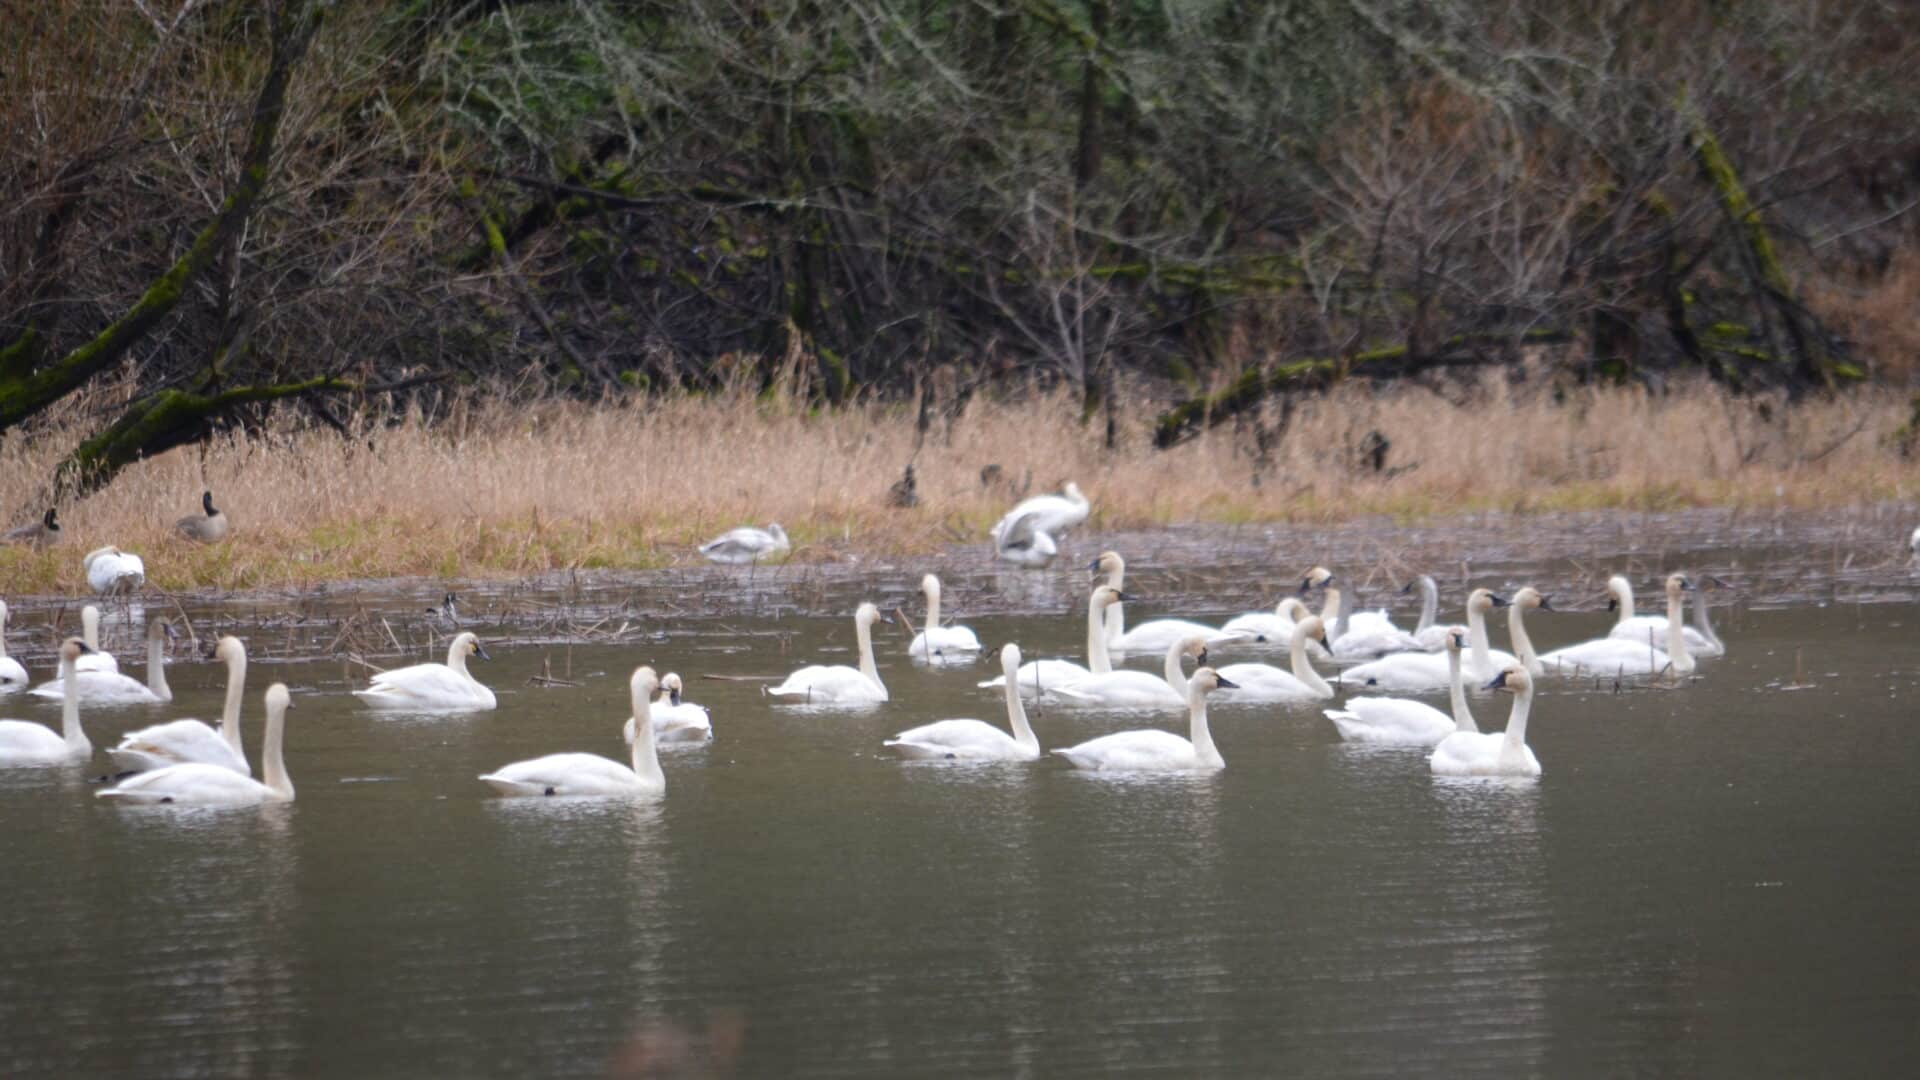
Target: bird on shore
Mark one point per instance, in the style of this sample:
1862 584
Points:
38 535
112 572
746 545
1023 543
1049 514
207 527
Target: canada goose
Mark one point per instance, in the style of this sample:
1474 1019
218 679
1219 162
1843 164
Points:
38 535
207 528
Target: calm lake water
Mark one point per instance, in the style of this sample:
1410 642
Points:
1718 878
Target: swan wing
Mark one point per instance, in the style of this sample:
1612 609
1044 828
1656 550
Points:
176 742
12 675
97 661
1120 689
1262 682
1391 720
1478 753
25 743
426 686
944 641
100 688
1652 630
566 774
819 684
1037 676
1132 751
973 740
1606 656
194 783
1400 671
685 722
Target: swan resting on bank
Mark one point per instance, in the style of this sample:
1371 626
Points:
746 545
434 686
1474 753
178 742
1050 514
1409 723
591 774
199 784
838 684
113 572
1158 751
975 740
24 743
1020 540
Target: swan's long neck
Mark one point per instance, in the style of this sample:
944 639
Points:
457 657
646 758
90 627
1198 732
1176 677
1623 596
1522 644
1477 637
273 762
76 739
157 668
1515 743
1330 615
3 631
1700 618
230 710
1017 711
1677 634
1116 611
933 608
1429 604
864 633
1302 667
1457 690
1098 662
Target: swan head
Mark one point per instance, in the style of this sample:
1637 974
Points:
230 650
1010 659
1529 598
867 614
1294 609
671 686
930 585
1072 491
159 629
1619 591
1107 596
468 644
1513 679
1311 628
1206 680
779 534
1484 600
279 700
1109 562
1196 647
643 683
1456 639
1315 578
72 649
1677 584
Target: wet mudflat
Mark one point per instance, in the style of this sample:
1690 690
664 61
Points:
1711 877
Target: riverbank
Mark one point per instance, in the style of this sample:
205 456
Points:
494 491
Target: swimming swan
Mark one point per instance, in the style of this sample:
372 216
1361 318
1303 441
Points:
1049 514
1431 636
1405 722
1340 624
1126 689
1427 671
1620 656
98 659
1264 682
177 742
1355 639
12 675
1020 540
1039 676
433 686
208 527
935 642
1474 753
1527 599
23 743
746 545
674 720
199 784
1158 751
1647 629
113 688
975 740
111 571
591 774
837 683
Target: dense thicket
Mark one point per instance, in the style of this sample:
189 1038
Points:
241 201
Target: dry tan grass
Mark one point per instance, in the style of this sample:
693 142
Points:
503 490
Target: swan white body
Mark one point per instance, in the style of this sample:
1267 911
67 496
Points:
178 742
1156 634
1264 682
674 720
1116 689
1019 539
1363 635
936 643
23 743
975 740
591 774
99 659
445 686
200 784
113 572
1619 656
1474 753
1404 722
1426 671
838 684
12 675
1049 514
1158 751
746 545
113 688
1649 629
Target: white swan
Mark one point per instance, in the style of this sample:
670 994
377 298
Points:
1118 689
113 572
1646 629
1111 564
1038 676
113 688
975 740
746 545
1158 751
12 675
1264 682
98 659
1714 646
177 742
199 784
1339 623
935 643
1427 671
23 743
1021 541
674 720
1404 722
433 686
1355 639
591 774
1474 753
1431 636
1619 656
839 684
1050 514
1156 634
1527 599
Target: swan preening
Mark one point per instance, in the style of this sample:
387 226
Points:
591 774
178 742
430 687
207 527
838 684
674 720
200 784
1398 720
746 545
1158 751
1263 682
23 743
976 740
1474 753
113 688
1028 535
935 643
12 675
113 572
